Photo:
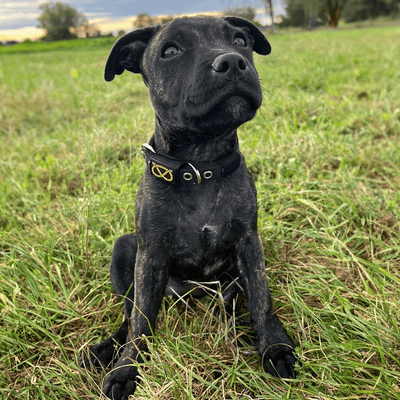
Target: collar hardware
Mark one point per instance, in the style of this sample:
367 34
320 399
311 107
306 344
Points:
187 176
196 171
208 175
174 171
145 147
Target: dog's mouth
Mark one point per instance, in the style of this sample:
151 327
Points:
237 109
236 104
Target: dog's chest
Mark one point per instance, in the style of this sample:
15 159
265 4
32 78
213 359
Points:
199 250
200 227
196 229
204 232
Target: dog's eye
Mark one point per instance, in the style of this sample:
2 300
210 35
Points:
239 41
171 51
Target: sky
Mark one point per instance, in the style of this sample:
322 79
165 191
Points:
18 19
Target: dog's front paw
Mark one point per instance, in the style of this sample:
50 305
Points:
279 360
99 356
120 383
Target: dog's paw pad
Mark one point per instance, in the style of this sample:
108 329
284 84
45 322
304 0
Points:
100 356
91 363
279 360
120 383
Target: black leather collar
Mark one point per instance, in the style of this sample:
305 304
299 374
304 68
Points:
175 171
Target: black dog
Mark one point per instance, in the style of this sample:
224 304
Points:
196 211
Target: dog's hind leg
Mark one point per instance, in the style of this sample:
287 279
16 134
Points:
122 268
103 354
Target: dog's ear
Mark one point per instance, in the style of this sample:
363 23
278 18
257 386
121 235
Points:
261 44
127 52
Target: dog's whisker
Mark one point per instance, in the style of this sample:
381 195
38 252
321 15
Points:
264 90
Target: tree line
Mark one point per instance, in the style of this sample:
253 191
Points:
302 13
62 21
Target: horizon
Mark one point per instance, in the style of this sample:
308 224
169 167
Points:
18 20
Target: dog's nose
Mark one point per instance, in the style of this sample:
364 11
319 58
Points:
229 62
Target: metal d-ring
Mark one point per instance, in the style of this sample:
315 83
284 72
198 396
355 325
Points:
197 174
144 147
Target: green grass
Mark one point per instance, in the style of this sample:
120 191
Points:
28 46
325 154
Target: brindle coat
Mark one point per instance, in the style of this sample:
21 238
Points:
203 85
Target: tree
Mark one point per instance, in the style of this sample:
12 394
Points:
334 8
142 20
301 13
359 10
246 12
58 18
309 9
86 30
295 15
270 10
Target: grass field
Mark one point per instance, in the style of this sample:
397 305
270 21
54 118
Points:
325 154
73 44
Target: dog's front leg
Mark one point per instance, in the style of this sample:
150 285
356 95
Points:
274 344
150 283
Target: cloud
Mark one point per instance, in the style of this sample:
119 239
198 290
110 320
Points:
24 13
19 14
18 20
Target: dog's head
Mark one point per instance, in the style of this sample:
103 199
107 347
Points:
199 71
